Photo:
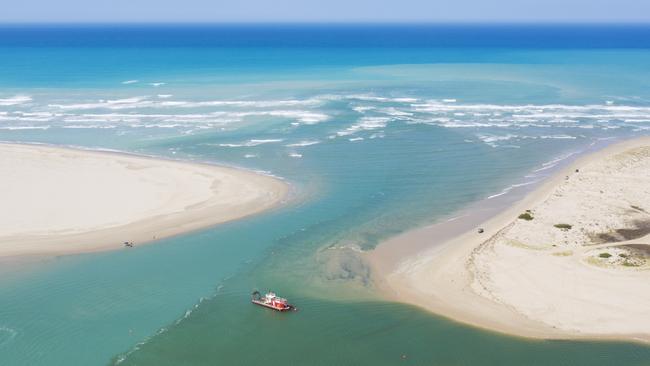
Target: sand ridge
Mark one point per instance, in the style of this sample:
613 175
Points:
60 200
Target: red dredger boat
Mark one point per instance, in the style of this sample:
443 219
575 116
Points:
270 300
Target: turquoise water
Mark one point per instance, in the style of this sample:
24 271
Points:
378 129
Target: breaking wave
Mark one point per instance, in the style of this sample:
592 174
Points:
15 100
252 142
510 188
365 124
304 143
497 125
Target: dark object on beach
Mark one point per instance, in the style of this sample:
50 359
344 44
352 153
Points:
563 226
480 230
128 244
526 216
577 170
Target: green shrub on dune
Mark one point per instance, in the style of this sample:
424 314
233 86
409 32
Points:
526 216
563 226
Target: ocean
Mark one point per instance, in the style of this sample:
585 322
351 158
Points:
379 129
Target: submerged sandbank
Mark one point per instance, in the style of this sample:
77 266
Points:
580 267
61 200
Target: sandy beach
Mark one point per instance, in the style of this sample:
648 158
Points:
60 200
570 260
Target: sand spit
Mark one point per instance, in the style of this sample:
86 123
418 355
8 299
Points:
571 260
60 200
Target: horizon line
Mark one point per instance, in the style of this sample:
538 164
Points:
326 23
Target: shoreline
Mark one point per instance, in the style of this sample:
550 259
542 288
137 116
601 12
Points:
149 198
147 156
397 265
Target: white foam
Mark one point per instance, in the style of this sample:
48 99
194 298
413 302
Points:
125 103
130 82
304 143
25 117
365 124
494 138
404 100
367 97
524 184
455 218
392 111
356 139
505 191
211 119
155 85
15 100
362 108
558 137
161 111
252 142
510 188
243 103
305 117
553 162
491 140
89 126
637 120
295 155
374 98
36 114
157 125
533 111
11 128
126 100
144 102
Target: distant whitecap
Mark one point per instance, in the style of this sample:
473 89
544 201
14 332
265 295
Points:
303 143
15 100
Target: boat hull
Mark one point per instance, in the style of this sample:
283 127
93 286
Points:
276 308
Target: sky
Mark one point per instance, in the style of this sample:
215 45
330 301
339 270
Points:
53 11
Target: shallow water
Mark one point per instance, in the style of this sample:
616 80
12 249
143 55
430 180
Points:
377 135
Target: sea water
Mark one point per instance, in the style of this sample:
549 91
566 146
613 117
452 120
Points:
378 128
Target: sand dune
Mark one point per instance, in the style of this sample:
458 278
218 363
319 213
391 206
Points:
59 200
570 260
